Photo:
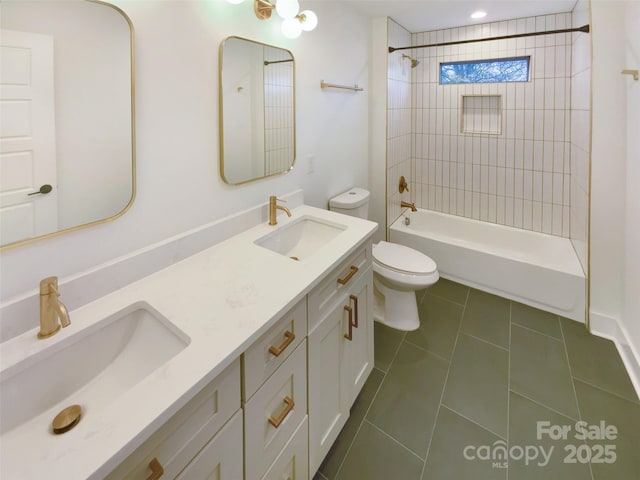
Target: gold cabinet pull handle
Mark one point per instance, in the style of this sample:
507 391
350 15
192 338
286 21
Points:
277 421
156 470
355 307
349 336
343 281
278 350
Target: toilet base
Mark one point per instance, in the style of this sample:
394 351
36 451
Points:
396 309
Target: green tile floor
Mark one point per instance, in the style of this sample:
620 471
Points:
482 376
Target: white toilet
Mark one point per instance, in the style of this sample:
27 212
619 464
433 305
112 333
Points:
398 271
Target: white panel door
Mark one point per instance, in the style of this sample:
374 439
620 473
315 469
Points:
27 136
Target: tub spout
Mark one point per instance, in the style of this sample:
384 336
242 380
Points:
412 205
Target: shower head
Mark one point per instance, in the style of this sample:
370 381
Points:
414 62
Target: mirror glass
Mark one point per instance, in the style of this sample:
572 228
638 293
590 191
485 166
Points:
66 130
257 110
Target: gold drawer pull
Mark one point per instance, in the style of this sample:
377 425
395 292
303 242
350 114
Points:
277 421
156 469
343 281
349 336
355 306
278 350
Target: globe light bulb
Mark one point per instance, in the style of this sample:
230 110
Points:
291 28
308 20
287 8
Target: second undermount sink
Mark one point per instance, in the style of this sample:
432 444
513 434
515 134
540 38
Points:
301 238
91 368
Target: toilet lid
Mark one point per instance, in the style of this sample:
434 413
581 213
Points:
402 258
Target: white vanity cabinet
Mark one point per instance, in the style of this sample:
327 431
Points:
275 397
210 422
340 347
274 412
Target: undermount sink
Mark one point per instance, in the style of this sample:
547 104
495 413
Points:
90 368
301 238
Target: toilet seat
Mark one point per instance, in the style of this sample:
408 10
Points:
402 259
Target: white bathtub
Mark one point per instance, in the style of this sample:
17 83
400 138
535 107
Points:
539 270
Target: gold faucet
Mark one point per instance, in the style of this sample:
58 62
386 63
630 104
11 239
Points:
412 206
274 207
53 313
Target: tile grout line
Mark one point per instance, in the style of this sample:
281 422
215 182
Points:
487 341
444 386
537 331
364 417
540 404
573 385
426 350
394 440
604 390
470 420
509 383
440 297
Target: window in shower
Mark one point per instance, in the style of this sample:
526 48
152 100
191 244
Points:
512 69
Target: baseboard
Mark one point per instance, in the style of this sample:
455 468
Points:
610 328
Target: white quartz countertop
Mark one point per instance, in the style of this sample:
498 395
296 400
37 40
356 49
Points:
222 298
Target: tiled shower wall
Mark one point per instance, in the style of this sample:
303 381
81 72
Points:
399 132
279 118
520 177
580 131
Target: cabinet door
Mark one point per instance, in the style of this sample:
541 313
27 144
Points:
359 351
221 458
328 388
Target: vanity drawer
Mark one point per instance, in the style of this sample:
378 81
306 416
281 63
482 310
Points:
274 413
328 292
273 348
293 461
221 458
176 442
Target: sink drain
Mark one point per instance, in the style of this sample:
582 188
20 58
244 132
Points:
66 419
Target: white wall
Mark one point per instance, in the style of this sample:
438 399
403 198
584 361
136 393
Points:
580 132
176 59
631 308
399 122
615 199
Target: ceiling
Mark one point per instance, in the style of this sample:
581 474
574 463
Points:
424 15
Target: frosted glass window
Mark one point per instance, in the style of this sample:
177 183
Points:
514 69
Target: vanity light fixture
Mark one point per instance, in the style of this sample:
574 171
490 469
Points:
293 22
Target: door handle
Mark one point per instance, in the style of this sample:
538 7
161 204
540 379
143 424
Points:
44 189
355 307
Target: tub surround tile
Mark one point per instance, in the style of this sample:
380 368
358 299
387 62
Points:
486 317
376 456
329 468
446 459
604 370
408 400
597 406
386 343
524 416
534 319
540 371
439 324
477 385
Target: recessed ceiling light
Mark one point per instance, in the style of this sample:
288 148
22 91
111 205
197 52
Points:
478 14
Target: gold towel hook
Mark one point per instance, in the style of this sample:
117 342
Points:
633 73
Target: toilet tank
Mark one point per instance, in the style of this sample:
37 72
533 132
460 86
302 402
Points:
354 202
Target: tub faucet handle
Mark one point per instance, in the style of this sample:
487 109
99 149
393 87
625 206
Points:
402 186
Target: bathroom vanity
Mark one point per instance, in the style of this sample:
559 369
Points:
267 340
